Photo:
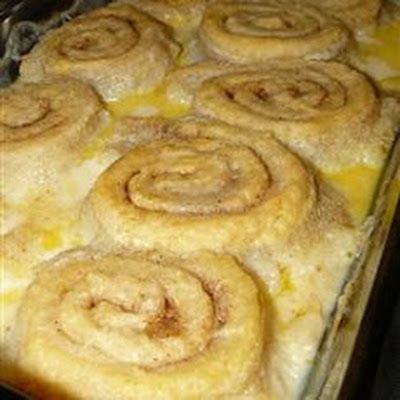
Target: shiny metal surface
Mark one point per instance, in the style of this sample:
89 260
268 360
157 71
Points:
23 22
336 348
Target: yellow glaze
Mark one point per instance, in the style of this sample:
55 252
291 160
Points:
154 102
180 20
392 83
10 296
55 236
285 281
358 185
97 145
51 239
384 43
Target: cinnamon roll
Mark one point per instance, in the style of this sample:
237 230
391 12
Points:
258 32
116 49
325 111
145 325
204 185
354 13
43 127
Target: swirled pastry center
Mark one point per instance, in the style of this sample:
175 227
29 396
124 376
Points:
202 177
252 32
287 96
19 110
100 38
25 115
139 319
142 325
273 23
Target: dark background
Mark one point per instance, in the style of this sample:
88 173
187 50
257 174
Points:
374 371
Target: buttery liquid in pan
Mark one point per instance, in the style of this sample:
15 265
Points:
53 237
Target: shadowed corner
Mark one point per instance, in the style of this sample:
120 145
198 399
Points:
23 22
27 386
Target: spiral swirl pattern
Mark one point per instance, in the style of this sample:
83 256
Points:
42 127
115 49
354 13
206 186
322 110
258 32
142 326
199 178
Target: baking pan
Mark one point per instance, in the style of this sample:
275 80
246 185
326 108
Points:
336 360
24 21
335 352
22 24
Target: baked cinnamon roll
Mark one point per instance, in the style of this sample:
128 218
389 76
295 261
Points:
145 325
203 186
43 127
260 31
116 49
325 111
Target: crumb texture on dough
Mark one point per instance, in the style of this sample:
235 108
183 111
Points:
202 185
43 127
260 31
144 325
115 48
325 111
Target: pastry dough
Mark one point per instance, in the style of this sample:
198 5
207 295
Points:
210 186
258 32
43 127
146 325
116 49
325 111
100 322
354 13
182 84
184 16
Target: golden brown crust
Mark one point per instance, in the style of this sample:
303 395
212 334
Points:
179 14
43 129
207 186
325 111
258 32
116 49
145 325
